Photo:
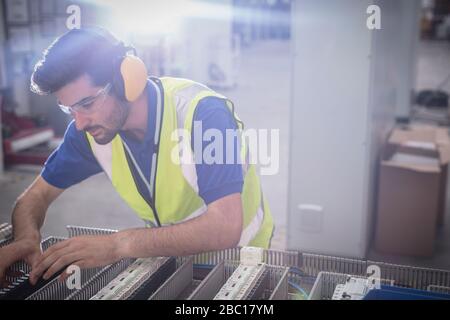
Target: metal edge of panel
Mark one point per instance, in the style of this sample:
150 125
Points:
176 283
212 283
280 292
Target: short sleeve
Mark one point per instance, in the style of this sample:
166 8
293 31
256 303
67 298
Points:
72 162
217 180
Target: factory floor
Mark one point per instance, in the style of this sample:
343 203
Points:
264 68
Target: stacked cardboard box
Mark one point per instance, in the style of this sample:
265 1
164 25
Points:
412 190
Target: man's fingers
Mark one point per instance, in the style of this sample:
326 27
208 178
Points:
50 251
33 258
59 264
80 264
63 276
45 262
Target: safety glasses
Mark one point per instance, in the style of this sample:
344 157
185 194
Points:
87 105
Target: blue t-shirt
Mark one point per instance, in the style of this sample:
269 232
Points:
74 161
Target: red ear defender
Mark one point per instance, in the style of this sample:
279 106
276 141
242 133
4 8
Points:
134 77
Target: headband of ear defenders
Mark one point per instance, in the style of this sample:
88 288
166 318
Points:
129 73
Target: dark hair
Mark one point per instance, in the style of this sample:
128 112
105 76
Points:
91 51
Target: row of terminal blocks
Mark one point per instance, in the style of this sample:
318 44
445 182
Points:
232 274
187 278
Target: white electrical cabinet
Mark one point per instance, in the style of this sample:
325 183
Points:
208 53
346 86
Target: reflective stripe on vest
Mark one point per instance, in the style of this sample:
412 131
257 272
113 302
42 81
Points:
176 190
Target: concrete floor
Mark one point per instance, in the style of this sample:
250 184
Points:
264 68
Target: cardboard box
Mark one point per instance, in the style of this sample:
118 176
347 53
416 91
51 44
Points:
427 139
411 191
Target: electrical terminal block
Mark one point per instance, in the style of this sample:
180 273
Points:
252 256
353 289
241 283
134 278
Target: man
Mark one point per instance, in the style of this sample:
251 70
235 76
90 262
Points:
127 125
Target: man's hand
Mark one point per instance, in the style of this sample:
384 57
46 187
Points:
84 252
26 249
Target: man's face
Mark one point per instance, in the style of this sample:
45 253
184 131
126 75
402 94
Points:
103 118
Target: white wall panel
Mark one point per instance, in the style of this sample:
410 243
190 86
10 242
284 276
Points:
345 91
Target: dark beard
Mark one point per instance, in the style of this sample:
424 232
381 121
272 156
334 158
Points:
107 137
116 121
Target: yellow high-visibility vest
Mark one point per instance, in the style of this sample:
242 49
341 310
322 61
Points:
173 183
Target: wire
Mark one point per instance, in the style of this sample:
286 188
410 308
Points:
298 271
305 277
204 266
299 289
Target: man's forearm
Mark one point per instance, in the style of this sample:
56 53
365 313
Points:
28 217
30 209
198 235
219 228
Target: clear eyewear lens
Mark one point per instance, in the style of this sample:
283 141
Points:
65 109
81 108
